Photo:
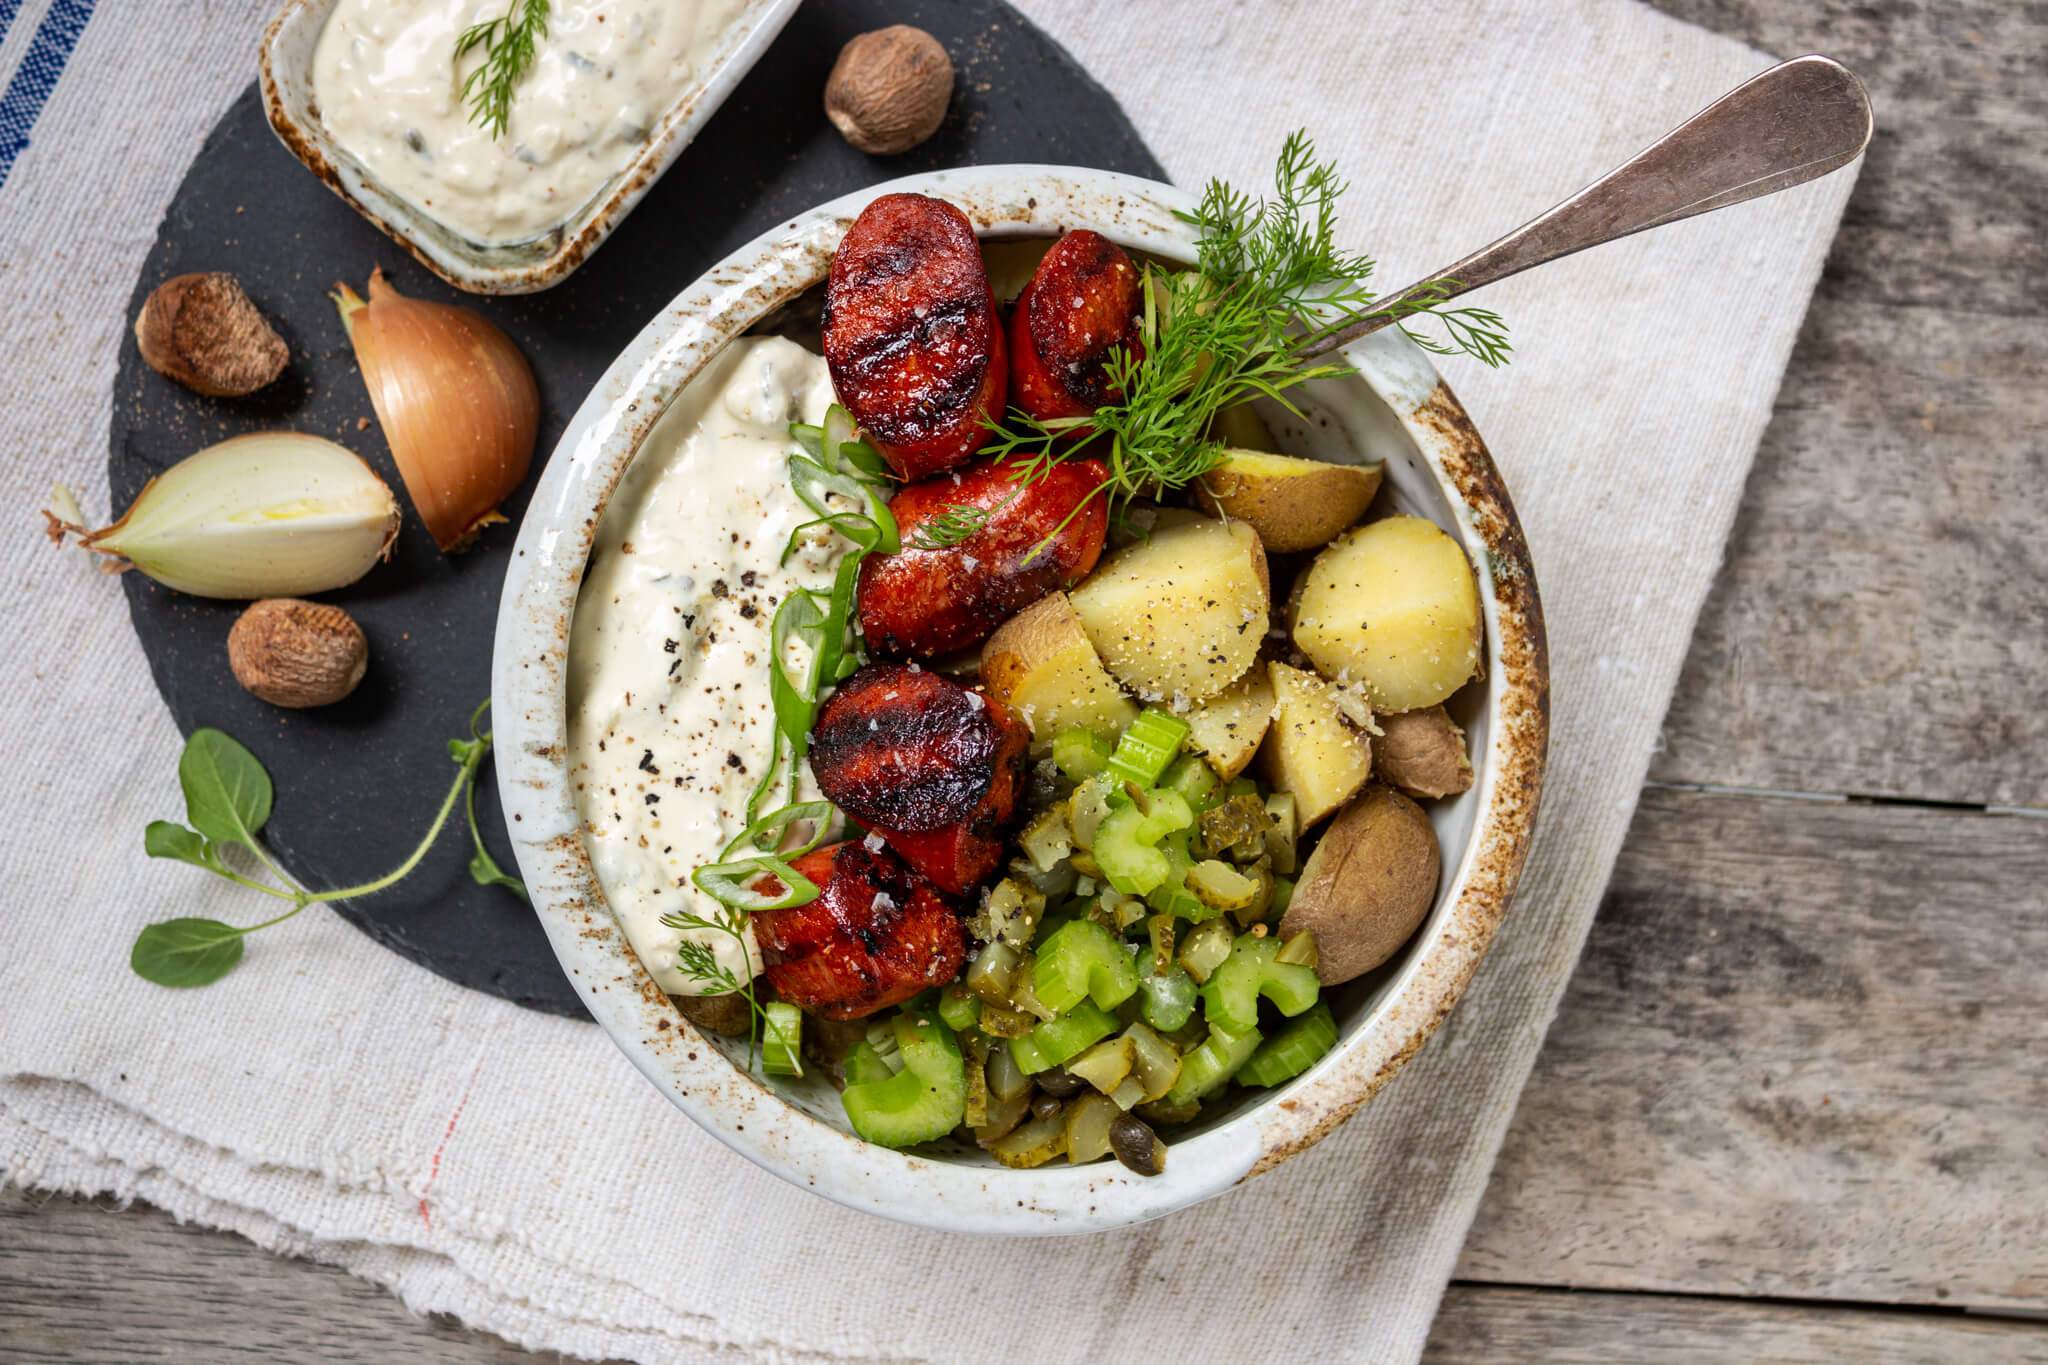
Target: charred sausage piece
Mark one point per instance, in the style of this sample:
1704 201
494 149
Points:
1082 301
1039 538
933 767
876 935
912 336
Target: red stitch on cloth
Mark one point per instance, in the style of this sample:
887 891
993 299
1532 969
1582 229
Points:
434 1162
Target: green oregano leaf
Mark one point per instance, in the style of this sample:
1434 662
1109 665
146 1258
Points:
168 839
227 792
186 952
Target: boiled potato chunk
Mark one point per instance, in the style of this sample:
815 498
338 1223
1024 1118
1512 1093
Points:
1392 607
1310 751
1422 753
1226 729
1040 663
1293 504
1368 885
1179 616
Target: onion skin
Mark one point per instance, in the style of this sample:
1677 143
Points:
457 402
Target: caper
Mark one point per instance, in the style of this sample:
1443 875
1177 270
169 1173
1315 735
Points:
1136 1145
1044 1106
1061 1082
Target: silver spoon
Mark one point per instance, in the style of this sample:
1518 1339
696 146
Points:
1796 122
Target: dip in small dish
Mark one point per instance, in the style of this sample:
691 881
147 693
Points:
370 95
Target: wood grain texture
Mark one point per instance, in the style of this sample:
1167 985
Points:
82 1282
1881 625
1802 1058
1487 1324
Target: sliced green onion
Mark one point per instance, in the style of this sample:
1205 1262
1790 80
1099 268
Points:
766 832
726 884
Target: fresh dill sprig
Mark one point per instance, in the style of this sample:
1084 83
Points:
1270 281
508 45
698 961
950 527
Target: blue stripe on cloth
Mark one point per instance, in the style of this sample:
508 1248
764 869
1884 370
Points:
37 75
8 9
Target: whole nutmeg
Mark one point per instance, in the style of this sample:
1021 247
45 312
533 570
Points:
889 89
203 331
297 654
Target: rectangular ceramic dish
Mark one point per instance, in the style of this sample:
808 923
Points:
523 267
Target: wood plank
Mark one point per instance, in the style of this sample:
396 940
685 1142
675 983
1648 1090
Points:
1492 1323
1802 1058
1882 621
81 1281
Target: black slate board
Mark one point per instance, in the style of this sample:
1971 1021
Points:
358 782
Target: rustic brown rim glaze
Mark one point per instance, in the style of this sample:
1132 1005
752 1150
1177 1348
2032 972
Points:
286 79
798 1134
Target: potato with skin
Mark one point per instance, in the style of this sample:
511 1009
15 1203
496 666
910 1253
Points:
1393 607
1179 616
1310 752
1227 729
1041 665
1422 753
1368 886
1294 504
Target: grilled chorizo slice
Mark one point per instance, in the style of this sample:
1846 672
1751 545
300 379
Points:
1039 538
933 767
912 336
1082 301
876 935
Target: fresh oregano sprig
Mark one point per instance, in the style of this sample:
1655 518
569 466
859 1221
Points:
508 42
228 797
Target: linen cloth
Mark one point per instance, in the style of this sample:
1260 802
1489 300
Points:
332 1101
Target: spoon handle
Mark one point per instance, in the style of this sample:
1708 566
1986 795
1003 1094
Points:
1796 122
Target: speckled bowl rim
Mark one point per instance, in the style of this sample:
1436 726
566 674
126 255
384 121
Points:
288 104
529 690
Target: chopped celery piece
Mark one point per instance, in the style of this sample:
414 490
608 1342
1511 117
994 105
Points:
1293 1050
925 1100
1283 895
1241 786
1083 959
1230 997
863 1064
1204 949
1148 744
1126 842
1079 754
1192 779
1203 1071
959 1008
1168 999
782 1034
1057 1040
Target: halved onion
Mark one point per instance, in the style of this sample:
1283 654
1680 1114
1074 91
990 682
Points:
456 399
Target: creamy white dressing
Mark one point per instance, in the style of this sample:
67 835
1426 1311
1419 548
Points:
389 91
670 718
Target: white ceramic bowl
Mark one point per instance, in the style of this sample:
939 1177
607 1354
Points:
522 267
1397 411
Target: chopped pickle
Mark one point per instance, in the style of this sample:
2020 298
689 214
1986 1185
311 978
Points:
1283 829
1087 808
1106 1065
1034 1144
1057 1040
1283 895
1081 958
1003 1115
1024 992
1300 951
959 1007
975 1113
1205 948
1046 840
1005 1080
1088 1119
993 972
1159 932
1296 1047
1154 1063
1219 885
1230 997
1204 1071
925 1100
1164 1114
1000 1021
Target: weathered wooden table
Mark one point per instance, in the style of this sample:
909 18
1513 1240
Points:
1795 1105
